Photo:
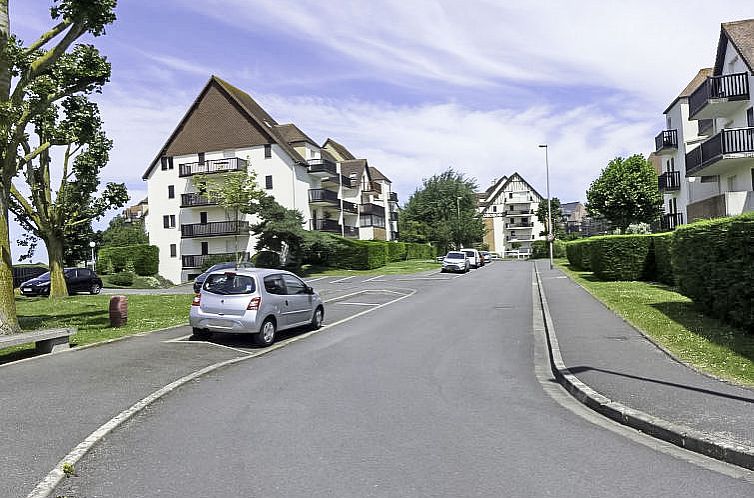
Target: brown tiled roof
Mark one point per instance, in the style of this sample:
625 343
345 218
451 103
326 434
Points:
357 166
293 134
327 155
377 174
345 154
697 80
741 35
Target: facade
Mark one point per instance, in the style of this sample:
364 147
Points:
509 210
225 130
706 152
136 212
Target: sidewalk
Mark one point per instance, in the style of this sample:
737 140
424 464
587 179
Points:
618 362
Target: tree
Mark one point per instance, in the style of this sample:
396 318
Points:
443 212
66 215
626 192
33 78
557 217
281 230
120 232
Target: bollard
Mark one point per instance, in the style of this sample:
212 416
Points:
118 311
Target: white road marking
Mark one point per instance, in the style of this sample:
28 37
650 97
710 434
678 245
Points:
423 278
315 279
359 304
372 279
343 279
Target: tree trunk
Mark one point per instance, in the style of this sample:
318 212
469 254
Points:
54 245
8 318
5 73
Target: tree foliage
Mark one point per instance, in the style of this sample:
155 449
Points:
626 192
281 230
557 217
443 211
120 232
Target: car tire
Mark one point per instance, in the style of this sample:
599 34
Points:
201 334
95 289
266 334
442 270
317 318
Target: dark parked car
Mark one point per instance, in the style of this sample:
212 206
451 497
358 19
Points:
76 279
198 281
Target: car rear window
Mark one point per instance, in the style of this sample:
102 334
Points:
229 283
456 255
469 253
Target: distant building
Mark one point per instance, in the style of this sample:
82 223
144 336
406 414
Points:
136 212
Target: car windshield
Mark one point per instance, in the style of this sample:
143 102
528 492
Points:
45 277
229 283
455 255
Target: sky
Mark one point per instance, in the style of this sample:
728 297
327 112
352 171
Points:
413 86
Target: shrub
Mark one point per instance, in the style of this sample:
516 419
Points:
396 251
123 278
578 253
540 249
266 259
144 258
713 266
661 258
620 257
415 250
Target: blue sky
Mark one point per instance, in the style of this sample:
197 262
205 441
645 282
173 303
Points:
413 86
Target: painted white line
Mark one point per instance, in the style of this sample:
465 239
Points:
359 304
315 279
45 487
343 279
372 279
422 278
210 343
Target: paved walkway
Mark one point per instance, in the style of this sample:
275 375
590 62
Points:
617 361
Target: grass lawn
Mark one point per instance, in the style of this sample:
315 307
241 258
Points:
672 321
400 267
90 316
155 282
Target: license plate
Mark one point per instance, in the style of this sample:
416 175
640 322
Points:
27 289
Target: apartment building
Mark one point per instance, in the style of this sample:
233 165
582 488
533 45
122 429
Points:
706 152
509 210
226 130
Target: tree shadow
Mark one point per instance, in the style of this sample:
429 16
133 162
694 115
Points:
36 321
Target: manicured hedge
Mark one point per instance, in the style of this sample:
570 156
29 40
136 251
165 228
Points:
620 257
579 255
714 266
144 258
359 255
396 251
661 261
540 249
419 251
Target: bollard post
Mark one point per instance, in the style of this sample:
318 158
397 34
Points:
118 311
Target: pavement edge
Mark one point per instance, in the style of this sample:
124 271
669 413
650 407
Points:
679 435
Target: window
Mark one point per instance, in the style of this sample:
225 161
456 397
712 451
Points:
229 284
494 209
84 272
732 183
171 191
274 284
668 123
268 182
750 117
201 158
294 285
203 217
267 151
173 250
166 162
205 248
168 221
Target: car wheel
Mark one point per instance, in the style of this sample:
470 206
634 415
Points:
319 315
266 334
442 270
95 288
201 334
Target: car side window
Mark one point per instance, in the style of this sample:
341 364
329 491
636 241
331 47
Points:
294 285
273 284
84 273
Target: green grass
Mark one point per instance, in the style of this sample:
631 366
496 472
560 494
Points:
155 282
671 320
90 316
400 267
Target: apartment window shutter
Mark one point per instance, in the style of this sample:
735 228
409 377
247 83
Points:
166 221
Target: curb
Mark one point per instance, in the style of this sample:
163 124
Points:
679 435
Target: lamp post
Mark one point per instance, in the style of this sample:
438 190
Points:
550 231
92 244
458 217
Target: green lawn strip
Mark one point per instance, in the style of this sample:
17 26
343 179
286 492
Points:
672 321
155 282
90 316
399 267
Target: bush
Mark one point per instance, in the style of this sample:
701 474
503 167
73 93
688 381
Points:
415 250
144 258
266 259
396 251
540 249
620 257
661 258
579 255
713 266
123 278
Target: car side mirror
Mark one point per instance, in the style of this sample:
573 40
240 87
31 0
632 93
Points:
309 290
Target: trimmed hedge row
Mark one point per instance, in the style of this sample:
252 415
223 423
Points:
540 250
662 244
143 258
578 254
620 257
370 254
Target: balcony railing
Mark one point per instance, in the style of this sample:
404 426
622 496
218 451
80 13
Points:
350 207
214 229
350 231
320 195
322 166
725 88
519 225
519 212
670 221
666 141
393 197
394 216
194 200
372 187
197 260
214 166
374 209
738 141
325 226
669 181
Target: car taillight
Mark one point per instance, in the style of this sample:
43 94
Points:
196 300
254 303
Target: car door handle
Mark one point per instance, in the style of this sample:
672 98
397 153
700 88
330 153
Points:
286 302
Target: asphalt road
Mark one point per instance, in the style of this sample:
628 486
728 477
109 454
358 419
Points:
432 395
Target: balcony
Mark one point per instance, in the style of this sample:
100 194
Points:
719 96
519 212
666 142
717 206
394 216
322 197
331 226
322 168
670 221
350 207
669 181
374 209
517 226
214 229
197 260
725 149
351 232
393 197
371 187
211 167
705 127
196 200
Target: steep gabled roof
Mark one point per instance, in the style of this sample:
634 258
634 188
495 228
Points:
483 196
377 174
741 35
700 78
510 179
220 130
293 134
355 166
340 150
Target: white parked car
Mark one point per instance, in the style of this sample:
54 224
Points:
455 261
475 259
256 301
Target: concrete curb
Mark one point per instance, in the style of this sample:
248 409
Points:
679 435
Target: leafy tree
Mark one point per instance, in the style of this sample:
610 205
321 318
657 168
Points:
557 217
444 212
626 192
281 230
33 78
76 248
120 232
56 219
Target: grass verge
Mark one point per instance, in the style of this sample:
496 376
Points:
671 320
90 316
154 282
400 267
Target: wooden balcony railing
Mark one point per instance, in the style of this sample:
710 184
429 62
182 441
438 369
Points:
194 200
214 166
728 86
667 139
214 229
669 181
733 141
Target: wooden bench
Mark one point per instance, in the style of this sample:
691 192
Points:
45 341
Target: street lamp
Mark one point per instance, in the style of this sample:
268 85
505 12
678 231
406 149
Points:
92 244
550 231
458 216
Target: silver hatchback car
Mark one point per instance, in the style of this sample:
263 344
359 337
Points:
254 301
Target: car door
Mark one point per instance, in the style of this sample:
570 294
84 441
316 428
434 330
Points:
83 279
71 280
299 300
274 286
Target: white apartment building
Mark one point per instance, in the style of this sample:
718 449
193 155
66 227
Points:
225 130
706 152
509 209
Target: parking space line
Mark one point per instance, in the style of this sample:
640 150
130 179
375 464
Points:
372 279
343 279
423 278
315 279
358 304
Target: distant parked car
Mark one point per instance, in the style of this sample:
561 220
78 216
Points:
486 256
255 301
495 256
76 280
198 281
455 261
475 259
